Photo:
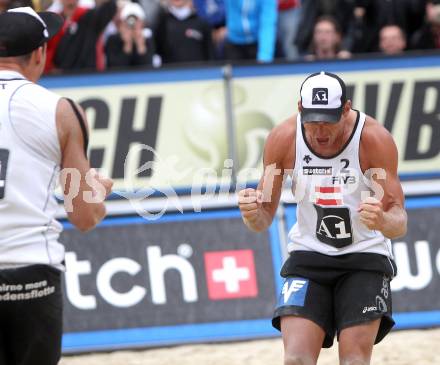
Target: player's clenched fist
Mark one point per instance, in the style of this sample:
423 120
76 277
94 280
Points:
371 214
249 202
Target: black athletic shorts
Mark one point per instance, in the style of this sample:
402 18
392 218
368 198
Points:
337 292
30 315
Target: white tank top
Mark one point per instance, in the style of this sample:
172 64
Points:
30 157
328 193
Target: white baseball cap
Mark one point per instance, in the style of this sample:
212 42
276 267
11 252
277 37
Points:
132 9
323 96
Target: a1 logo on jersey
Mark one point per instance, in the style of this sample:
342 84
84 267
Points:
333 226
231 274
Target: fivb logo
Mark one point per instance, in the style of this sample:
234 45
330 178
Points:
293 292
319 96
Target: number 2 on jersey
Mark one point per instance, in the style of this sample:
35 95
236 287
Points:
4 157
346 162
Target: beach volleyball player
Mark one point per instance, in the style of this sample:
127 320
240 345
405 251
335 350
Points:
349 205
40 132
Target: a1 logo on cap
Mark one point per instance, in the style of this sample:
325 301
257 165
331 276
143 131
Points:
320 96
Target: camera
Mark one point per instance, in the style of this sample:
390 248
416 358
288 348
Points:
131 21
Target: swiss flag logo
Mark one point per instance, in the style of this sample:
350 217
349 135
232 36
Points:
231 274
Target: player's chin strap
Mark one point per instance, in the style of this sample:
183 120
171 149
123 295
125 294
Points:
82 124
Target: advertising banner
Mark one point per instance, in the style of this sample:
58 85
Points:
195 277
165 130
184 278
155 134
417 284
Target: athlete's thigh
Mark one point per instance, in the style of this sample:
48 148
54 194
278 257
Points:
356 342
302 338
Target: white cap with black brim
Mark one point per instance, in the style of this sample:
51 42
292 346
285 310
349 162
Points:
323 96
22 30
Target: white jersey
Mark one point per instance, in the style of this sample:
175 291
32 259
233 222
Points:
328 191
30 157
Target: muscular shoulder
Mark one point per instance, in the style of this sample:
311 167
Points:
67 122
377 145
280 143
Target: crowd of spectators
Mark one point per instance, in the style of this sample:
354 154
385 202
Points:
104 34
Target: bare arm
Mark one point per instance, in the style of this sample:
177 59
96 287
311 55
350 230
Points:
388 214
258 207
83 206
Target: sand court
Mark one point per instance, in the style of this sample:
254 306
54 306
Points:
410 347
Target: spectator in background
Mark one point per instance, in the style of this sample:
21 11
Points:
428 36
370 16
213 11
181 35
289 16
340 10
251 29
79 44
326 42
392 40
362 34
133 44
407 14
151 9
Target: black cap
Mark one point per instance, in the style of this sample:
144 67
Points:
323 96
22 30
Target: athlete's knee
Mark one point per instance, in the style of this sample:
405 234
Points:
291 359
354 361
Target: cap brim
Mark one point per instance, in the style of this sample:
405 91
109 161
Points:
321 115
54 22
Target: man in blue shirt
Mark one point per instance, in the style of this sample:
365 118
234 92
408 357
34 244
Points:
213 11
251 29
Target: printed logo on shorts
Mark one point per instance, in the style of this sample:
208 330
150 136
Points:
369 309
293 292
231 274
381 304
319 96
